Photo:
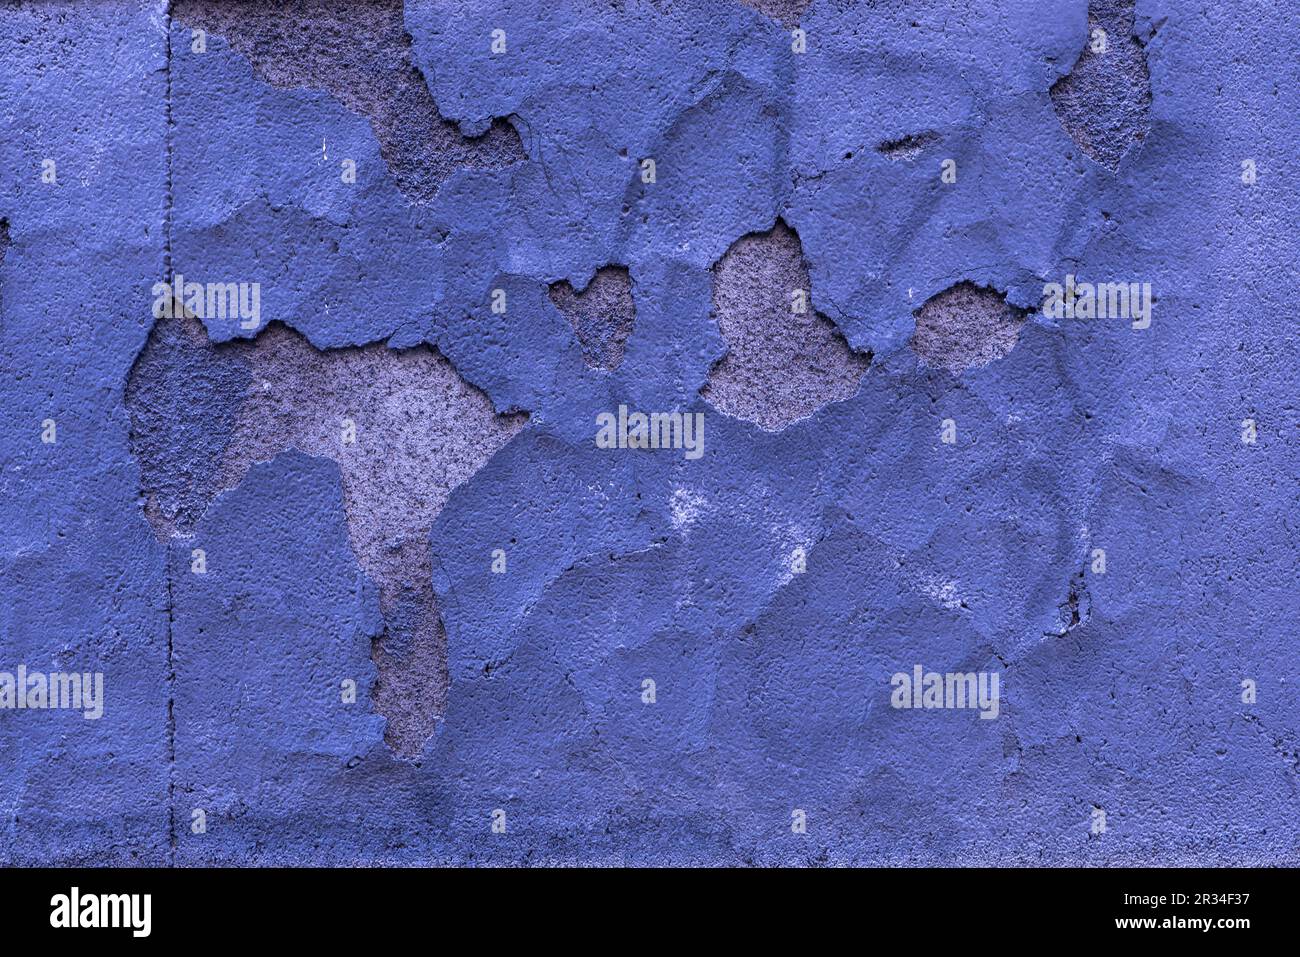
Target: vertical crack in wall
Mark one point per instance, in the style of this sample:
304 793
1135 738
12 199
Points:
171 714
602 315
1075 610
4 248
168 206
358 52
403 426
1104 103
965 326
784 360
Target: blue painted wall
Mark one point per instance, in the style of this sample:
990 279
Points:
1121 691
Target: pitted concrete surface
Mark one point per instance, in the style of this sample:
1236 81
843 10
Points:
784 360
907 147
602 315
966 326
405 430
1105 101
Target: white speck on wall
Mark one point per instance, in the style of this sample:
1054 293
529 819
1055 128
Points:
939 589
686 507
792 541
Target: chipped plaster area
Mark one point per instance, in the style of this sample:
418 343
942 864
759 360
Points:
1104 103
404 428
358 52
785 12
781 365
602 315
421 430
966 326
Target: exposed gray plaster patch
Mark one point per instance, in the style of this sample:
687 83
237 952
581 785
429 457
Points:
908 147
781 365
602 315
420 430
1104 102
359 52
786 12
965 326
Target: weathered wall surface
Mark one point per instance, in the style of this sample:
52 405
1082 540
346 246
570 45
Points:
361 577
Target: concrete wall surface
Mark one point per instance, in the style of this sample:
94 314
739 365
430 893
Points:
649 432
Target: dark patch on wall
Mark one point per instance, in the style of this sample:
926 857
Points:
1075 610
403 426
4 248
964 326
183 399
602 315
908 147
781 365
1104 103
358 52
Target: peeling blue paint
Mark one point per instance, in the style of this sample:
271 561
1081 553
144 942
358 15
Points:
226 691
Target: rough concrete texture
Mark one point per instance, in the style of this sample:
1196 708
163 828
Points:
784 360
602 315
827 538
966 326
1105 102
184 400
